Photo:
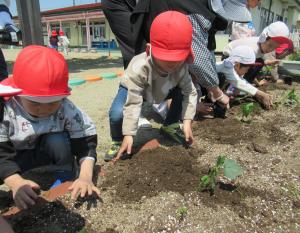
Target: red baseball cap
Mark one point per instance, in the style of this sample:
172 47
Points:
41 73
171 37
61 33
54 33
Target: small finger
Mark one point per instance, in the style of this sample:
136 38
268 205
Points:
83 192
96 190
29 191
75 193
22 204
90 190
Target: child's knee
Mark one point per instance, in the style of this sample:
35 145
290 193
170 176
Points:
58 146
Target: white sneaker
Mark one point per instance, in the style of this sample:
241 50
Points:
144 123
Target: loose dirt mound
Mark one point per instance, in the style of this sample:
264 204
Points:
48 218
151 172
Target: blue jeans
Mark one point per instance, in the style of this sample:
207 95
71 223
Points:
116 111
52 148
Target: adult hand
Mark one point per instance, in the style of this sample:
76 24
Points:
125 147
187 130
264 98
216 95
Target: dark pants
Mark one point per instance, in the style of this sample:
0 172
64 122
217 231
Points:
116 111
118 14
3 67
51 149
254 71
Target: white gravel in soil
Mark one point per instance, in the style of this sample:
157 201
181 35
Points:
268 173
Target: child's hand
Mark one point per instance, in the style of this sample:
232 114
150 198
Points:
264 98
82 186
272 62
187 130
23 191
125 147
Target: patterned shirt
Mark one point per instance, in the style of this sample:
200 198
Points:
23 130
204 67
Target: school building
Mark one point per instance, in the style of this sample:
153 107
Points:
269 11
84 25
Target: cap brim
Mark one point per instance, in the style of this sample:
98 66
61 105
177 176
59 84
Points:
44 99
171 55
236 12
8 88
282 40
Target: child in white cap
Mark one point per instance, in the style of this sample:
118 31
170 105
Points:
40 126
236 66
272 37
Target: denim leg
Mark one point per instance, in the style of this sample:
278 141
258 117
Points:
58 148
116 114
174 113
53 148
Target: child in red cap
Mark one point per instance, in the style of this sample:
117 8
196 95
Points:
40 126
53 40
158 74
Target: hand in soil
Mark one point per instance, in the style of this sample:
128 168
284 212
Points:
82 187
264 99
125 147
204 108
187 130
24 194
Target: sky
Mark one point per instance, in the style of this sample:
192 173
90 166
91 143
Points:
53 4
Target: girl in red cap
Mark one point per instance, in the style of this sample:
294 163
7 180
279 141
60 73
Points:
156 75
40 126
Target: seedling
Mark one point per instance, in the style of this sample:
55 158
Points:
247 110
229 168
289 98
181 212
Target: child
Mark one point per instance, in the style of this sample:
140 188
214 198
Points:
64 41
272 37
40 126
158 74
235 66
53 41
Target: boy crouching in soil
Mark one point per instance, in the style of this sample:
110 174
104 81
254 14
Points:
40 126
158 74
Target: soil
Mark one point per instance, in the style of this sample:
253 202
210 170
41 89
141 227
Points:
143 194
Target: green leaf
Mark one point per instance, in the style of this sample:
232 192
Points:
232 169
205 180
247 109
220 161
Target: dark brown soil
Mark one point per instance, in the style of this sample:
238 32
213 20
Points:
48 218
152 172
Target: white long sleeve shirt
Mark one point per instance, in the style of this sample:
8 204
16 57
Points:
233 78
252 42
